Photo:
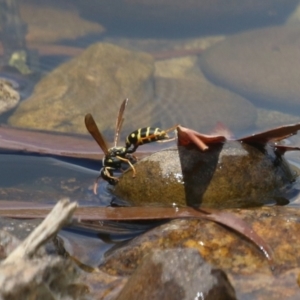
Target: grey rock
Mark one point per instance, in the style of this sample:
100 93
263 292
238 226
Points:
177 274
193 17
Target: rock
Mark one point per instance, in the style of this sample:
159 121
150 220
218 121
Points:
198 104
91 83
9 97
261 65
245 265
177 274
192 18
167 48
46 24
272 118
181 68
232 174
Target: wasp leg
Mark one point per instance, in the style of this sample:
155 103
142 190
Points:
135 158
95 186
106 174
166 140
171 128
130 164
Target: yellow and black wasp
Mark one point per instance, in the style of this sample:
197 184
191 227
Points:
115 156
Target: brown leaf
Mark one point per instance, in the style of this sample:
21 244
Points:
56 144
187 136
274 135
101 213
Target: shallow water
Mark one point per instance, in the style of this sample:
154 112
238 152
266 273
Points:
175 36
152 28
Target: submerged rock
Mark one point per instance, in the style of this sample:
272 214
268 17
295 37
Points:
46 24
91 83
230 174
198 103
261 65
174 17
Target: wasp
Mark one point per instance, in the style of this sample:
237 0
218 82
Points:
113 157
147 135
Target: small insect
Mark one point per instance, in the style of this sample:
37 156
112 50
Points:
147 135
113 157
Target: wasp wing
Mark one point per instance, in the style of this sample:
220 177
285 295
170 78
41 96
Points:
120 121
92 128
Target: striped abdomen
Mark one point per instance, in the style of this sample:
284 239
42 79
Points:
145 135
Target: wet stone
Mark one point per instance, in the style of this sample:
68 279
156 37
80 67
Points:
233 174
175 17
261 65
178 274
46 24
199 104
90 83
244 263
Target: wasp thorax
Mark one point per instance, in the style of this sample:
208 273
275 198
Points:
117 151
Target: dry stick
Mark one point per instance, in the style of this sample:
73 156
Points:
56 219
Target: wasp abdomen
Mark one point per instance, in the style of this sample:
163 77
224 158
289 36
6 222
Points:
145 135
